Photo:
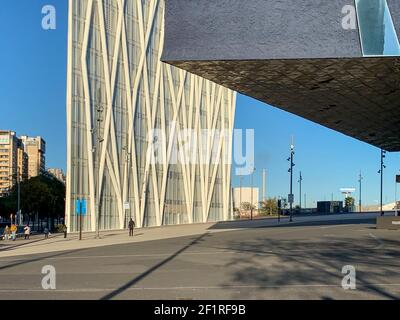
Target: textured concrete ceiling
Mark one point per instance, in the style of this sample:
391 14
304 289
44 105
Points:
359 97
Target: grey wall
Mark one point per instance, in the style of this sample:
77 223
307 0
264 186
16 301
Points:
257 29
394 6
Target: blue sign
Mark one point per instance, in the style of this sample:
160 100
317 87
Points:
80 207
83 207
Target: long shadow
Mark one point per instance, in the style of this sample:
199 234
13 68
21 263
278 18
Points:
11 247
152 269
25 261
296 262
273 223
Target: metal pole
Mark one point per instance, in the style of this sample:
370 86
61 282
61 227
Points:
251 205
359 200
99 140
80 220
395 196
240 196
381 172
264 185
19 201
300 180
279 210
19 198
291 182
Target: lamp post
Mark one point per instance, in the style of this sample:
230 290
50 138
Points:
251 205
360 178
240 197
300 181
96 149
127 164
291 197
11 180
383 155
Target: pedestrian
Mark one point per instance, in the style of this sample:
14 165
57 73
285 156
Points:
64 228
13 232
46 233
7 233
27 232
131 227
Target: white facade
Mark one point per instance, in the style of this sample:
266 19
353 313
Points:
249 195
118 92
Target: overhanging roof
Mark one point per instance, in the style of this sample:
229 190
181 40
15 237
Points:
359 97
294 55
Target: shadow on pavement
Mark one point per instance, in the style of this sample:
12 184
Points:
303 262
19 261
273 223
26 242
152 269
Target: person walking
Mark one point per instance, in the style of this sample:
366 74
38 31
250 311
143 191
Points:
13 232
46 233
131 227
65 229
7 233
27 232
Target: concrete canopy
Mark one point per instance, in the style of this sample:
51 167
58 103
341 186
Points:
294 55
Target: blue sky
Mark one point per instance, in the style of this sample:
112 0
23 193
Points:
32 102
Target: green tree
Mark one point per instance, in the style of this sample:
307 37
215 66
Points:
269 207
246 206
43 196
349 203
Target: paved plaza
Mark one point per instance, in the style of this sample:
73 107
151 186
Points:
234 260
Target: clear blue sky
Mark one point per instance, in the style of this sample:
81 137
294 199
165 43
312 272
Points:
32 102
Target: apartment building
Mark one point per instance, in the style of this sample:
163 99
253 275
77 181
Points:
35 148
12 161
57 173
21 158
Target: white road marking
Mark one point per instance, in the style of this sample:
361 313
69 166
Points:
202 288
381 244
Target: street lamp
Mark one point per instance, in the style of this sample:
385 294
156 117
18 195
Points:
240 197
97 133
17 178
360 178
252 202
291 196
300 182
127 164
383 156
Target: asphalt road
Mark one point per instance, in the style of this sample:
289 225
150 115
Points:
299 261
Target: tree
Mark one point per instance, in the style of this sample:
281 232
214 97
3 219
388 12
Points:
269 206
349 204
246 206
42 196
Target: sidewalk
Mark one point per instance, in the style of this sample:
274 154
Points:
56 242
38 244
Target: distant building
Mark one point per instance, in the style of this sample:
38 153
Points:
243 195
35 148
57 173
330 206
13 161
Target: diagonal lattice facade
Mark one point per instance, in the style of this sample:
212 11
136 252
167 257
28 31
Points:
118 92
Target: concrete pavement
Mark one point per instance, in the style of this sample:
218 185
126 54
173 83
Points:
37 244
254 260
